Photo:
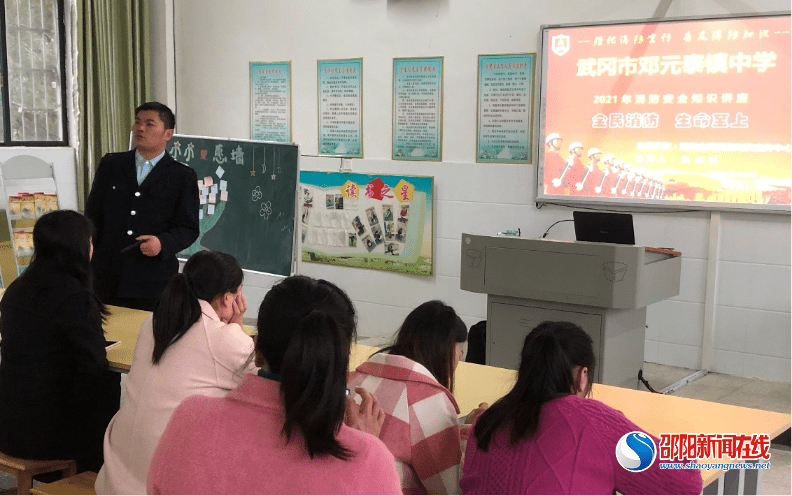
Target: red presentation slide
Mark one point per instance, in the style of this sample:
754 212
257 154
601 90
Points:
691 111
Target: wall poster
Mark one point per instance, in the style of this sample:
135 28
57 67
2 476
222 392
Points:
418 109
505 108
270 101
381 222
340 87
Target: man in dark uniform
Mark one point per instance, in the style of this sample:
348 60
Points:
144 206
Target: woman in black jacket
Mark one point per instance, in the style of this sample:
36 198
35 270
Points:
56 392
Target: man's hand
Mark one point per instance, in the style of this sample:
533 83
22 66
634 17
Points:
151 246
368 417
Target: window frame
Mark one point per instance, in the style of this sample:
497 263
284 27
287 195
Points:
6 140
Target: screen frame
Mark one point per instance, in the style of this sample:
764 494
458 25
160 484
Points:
542 199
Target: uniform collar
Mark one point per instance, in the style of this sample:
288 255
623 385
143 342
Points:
139 160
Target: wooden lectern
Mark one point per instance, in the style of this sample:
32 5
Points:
604 288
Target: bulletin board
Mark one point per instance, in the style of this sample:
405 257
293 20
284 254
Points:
247 191
381 222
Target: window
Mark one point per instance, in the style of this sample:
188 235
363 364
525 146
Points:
33 81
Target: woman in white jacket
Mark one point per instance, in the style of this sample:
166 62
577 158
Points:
193 344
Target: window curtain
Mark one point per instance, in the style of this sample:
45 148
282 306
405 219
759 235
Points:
113 76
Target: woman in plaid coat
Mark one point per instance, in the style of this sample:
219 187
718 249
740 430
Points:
413 382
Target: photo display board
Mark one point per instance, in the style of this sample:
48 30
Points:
676 113
381 221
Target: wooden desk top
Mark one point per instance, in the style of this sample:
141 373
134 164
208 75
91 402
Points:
474 384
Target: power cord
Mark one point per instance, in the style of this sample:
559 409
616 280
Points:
645 382
551 226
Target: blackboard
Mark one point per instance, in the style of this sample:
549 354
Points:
248 193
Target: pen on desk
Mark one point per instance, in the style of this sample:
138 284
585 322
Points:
132 246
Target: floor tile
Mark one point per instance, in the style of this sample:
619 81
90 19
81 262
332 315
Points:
776 479
765 395
712 387
659 376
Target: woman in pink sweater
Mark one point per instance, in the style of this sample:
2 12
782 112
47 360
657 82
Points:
282 430
413 380
546 437
192 344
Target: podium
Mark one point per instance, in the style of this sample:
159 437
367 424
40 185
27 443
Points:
604 288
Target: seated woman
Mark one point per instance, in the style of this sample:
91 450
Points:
281 431
413 380
193 344
546 437
56 392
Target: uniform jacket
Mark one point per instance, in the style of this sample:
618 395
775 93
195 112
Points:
421 422
164 205
235 445
209 359
56 393
572 452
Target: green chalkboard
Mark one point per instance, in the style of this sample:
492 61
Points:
248 192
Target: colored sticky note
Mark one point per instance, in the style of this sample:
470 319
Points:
200 184
223 185
220 171
210 210
200 214
224 196
213 198
208 181
202 199
205 191
214 189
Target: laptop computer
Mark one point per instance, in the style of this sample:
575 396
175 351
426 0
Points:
604 227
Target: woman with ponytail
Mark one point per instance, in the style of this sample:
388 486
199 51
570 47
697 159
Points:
547 437
282 430
192 344
414 379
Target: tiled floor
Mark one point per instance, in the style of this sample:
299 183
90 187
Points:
720 388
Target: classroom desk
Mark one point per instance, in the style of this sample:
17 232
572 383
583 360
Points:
475 384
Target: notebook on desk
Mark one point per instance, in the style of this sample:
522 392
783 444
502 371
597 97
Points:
604 227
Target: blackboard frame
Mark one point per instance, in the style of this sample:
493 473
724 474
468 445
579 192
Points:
291 172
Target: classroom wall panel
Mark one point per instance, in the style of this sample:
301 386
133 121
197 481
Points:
763 240
750 285
753 331
215 41
679 355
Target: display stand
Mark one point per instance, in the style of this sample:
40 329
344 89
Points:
26 174
602 287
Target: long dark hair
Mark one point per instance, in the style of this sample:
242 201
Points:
550 354
428 336
305 330
62 240
206 275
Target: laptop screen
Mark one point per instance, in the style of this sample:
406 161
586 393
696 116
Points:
604 227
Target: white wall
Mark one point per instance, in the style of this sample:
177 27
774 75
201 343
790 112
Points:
215 41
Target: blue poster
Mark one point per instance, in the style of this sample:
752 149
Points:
505 107
270 101
340 85
418 109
